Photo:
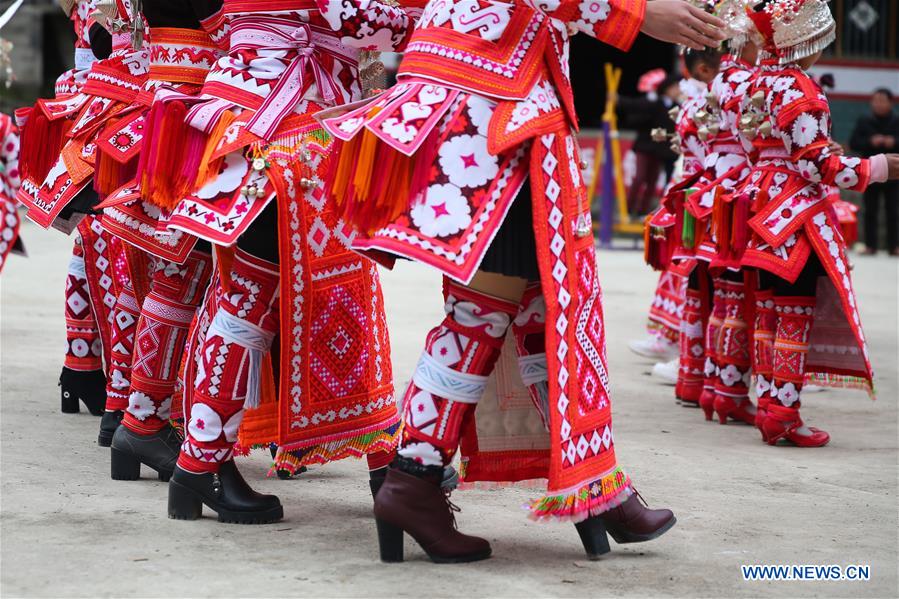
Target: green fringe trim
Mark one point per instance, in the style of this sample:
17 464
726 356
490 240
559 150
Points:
590 499
294 459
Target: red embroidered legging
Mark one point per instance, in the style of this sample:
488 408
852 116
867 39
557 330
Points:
84 347
124 324
785 314
245 323
712 338
175 292
791 345
734 354
692 347
452 373
763 342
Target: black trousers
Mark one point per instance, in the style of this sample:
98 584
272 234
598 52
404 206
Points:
889 191
261 238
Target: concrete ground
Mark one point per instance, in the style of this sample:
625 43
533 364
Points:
68 530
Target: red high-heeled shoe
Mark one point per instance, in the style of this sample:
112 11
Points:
781 422
729 407
707 403
761 411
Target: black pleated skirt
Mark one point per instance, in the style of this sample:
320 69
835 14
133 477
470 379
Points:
514 249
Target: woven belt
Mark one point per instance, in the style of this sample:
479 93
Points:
280 34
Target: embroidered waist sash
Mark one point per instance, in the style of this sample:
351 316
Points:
304 50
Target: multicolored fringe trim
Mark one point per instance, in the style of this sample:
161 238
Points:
662 331
579 503
840 381
293 459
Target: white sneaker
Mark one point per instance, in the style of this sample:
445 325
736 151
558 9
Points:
655 348
666 372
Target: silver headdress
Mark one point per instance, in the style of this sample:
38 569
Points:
795 29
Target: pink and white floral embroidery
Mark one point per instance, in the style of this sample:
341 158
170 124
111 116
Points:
205 424
466 161
444 211
594 11
141 406
805 129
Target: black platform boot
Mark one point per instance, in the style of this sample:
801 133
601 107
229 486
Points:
129 450
224 492
82 386
108 425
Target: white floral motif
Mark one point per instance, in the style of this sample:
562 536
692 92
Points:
423 453
466 161
140 405
593 11
788 394
790 96
205 424
809 171
730 375
479 111
782 84
846 178
805 129
444 211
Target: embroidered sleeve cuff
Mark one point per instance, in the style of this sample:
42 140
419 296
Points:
623 24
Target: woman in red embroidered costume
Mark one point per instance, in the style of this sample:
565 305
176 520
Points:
685 223
96 268
172 269
807 324
726 167
471 148
291 270
9 184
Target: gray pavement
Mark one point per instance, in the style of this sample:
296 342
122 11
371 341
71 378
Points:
68 530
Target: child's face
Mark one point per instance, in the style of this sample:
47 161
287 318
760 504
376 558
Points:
808 61
750 52
704 72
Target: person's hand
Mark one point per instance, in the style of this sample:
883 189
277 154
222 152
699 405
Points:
889 142
572 29
892 166
678 22
877 140
835 148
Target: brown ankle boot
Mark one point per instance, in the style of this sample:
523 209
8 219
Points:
633 522
419 507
